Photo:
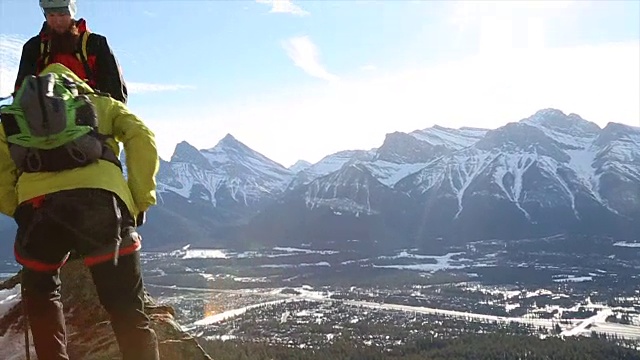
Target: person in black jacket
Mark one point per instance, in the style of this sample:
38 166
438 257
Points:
69 42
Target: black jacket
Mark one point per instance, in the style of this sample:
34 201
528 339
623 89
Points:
107 75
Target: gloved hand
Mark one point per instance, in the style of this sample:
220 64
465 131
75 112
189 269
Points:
141 218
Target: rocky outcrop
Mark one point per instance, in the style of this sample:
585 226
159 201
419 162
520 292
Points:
89 332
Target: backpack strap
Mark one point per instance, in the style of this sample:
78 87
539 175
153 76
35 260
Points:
45 51
107 153
82 55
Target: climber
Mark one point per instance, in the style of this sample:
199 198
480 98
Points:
67 41
62 183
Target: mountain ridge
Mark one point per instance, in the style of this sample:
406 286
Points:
544 174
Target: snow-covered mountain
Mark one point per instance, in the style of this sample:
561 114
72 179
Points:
202 193
229 175
329 164
300 165
539 176
546 174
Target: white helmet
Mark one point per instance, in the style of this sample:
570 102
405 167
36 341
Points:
63 6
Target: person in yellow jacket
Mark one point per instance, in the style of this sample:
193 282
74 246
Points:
92 210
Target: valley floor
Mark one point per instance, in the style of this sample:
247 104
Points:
308 297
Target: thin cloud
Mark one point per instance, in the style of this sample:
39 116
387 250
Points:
138 88
306 56
284 7
10 51
600 83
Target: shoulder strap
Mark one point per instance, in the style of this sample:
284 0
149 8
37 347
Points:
45 50
83 55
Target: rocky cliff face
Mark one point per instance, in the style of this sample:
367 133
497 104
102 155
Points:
89 332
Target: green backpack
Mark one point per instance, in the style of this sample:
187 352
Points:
51 127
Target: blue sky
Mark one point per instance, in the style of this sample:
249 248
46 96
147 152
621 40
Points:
303 79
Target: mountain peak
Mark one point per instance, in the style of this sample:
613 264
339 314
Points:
618 132
230 150
300 165
230 142
556 120
451 139
399 147
548 173
549 112
440 127
229 139
187 153
183 143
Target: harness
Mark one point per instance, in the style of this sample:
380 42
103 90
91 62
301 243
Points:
126 240
81 55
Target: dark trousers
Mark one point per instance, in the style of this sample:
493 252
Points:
87 221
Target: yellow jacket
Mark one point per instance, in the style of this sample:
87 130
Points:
138 191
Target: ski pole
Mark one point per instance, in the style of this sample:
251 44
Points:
25 316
